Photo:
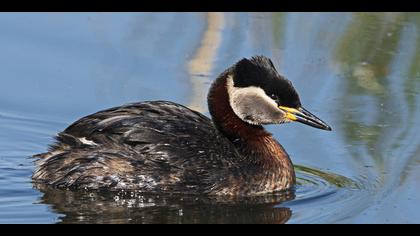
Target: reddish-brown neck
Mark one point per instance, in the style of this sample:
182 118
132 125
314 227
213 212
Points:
252 141
225 119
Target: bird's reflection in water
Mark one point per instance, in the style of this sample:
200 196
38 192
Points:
123 207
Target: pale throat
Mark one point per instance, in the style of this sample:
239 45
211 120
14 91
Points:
252 105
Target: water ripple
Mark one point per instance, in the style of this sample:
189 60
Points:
317 191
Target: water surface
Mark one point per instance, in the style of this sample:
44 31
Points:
360 72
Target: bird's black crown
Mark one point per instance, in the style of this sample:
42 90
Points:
259 71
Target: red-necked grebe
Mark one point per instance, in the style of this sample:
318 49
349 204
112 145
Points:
161 146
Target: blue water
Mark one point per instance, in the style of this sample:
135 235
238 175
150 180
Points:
360 72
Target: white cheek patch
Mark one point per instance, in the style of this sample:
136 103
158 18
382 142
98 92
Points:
252 105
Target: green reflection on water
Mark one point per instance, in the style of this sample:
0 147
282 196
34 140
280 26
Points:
412 84
334 179
278 19
367 48
366 54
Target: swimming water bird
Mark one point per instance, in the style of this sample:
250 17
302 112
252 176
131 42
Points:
161 146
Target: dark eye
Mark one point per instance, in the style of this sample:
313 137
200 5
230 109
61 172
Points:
274 97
